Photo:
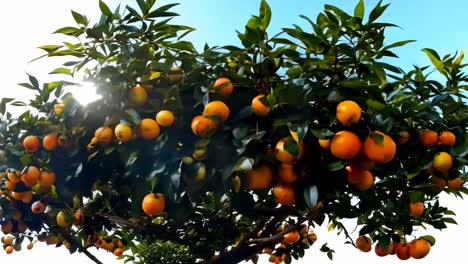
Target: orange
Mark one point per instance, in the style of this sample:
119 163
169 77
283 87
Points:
30 246
284 194
165 118
10 185
345 145
38 207
153 204
7 240
380 152
438 181
7 227
58 109
442 162
428 137
203 127
78 218
259 178
31 144
286 173
324 143
118 252
17 195
120 244
104 135
258 108
447 138
13 177
148 129
50 142
455 183
416 209
17 215
402 251
9 249
403 137
47 178
281 154
291 237
419 248
223 86
64 219
217 108
381 251
362 180
123 132
348 112
27 197
176 74
138 95
364 243
33 173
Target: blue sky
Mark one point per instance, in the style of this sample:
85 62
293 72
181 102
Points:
433 23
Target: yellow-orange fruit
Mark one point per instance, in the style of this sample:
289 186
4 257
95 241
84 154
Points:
348 113
258 108
291 237
442 162
203 127
284 194
176 75
364 243
416 209
154 204
455 183
218 109
447 138
286 173
50 142
403 137
31 144
381 251
428 137
123 132
380 152
259 178
223 86
419 248
345 145
138 95
165 118
148 129
324 143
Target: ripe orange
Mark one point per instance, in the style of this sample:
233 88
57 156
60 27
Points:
416 209
403 251
8 240
403 137
259 178
31 144
50 142
30 246
118 252
286 173
58 109
148 129
361 179
78 218
364 243
138 95
176 75
380 153
442 162
9 249
447 138
381 251
223 86
10 185
258 108
64 219
419 248
153 204
216 108
291 237
203 127
284 194
324 143
104 135
13 177
345 145
455 183
428 137
47 178
348 112
438 181
165 118
281 154
123 132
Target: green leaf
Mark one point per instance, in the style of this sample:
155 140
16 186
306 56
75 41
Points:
105 9
376 105
61 71
416 196
265 15
377 11
292 147
435 59
335 166
67 30
159 12
399 44
50 48
34 82
460 58
379 138
322 133
79 18
359 10
429 239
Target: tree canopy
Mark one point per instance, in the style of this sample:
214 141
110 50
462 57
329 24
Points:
221 154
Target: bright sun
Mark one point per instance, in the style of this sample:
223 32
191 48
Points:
85 92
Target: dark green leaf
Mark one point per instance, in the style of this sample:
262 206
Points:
105 9
359 9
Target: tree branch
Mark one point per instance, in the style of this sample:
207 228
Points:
77 244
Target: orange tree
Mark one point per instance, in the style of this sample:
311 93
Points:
226 153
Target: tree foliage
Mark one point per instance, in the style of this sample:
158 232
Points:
238 182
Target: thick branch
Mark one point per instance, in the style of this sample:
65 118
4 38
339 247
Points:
77 244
